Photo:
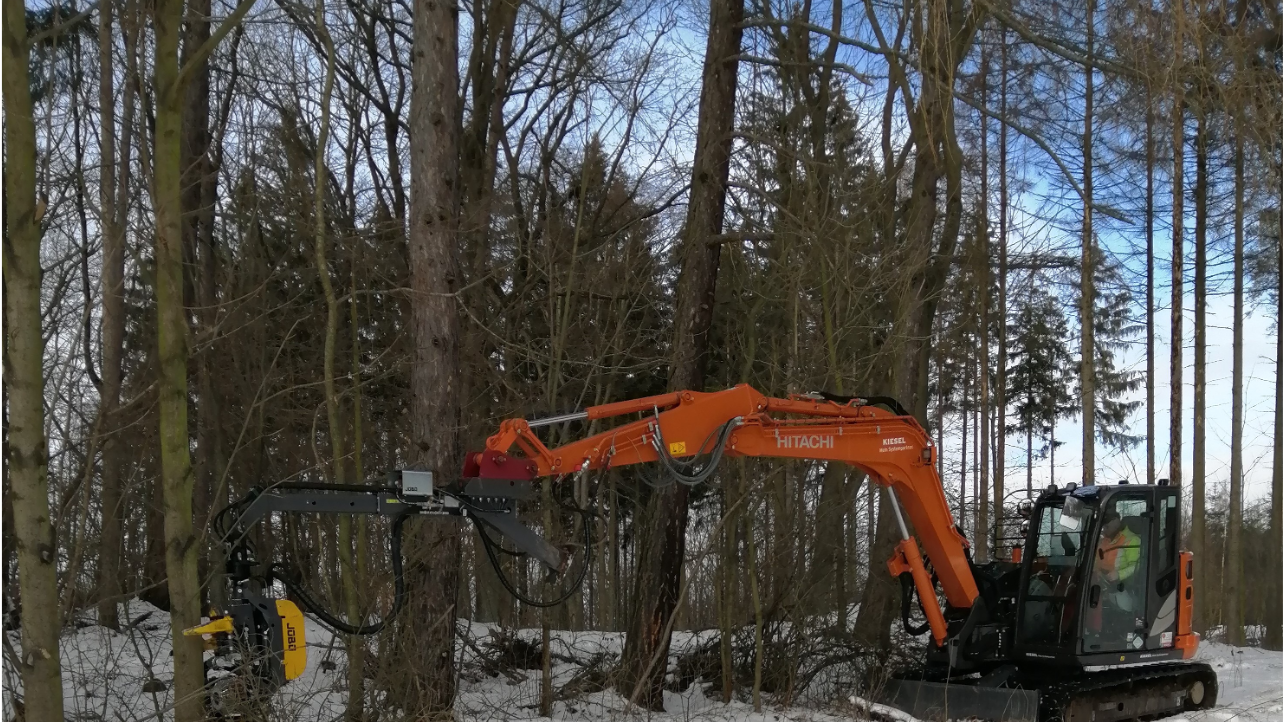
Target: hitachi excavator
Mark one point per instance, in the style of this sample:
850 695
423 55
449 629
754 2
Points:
1087 621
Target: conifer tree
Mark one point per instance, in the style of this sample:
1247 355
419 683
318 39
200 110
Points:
1040 377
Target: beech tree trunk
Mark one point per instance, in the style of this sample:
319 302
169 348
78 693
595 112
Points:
28 456
661 548
177 481
198 199
111 219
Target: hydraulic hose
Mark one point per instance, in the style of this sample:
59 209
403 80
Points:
681 471
493 549
398 581
906 603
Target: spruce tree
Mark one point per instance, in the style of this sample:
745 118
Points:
1040 376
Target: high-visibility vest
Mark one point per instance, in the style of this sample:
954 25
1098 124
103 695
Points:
1120 553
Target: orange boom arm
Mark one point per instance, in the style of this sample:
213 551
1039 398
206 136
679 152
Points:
893 450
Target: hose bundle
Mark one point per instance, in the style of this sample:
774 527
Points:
698 469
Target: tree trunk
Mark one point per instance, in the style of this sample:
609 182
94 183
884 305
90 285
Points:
28 456
982 236
825 586
545 615
1274 610
1051 453
878 600
944 41
1000 377
662 547
727 585
357 568
198 199
432 575
1151 468
978 501
1178 253
177 483
1087 305
334 425
962 451
1198 516
1029 461
111 218
1234 541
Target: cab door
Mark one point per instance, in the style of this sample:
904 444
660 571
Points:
1118 582
1164 597
1051 580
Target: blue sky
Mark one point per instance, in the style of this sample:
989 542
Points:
1258 416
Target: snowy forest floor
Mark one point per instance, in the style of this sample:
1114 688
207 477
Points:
124 677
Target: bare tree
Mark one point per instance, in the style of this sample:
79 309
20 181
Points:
170 78
113 202
945 38
662 549
27 452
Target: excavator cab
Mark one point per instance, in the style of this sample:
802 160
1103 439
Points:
1102 578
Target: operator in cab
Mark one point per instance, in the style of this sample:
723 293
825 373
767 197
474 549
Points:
1118 558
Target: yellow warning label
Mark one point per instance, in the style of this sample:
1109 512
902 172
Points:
677 447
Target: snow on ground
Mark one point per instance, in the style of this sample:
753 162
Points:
124 677
1251 684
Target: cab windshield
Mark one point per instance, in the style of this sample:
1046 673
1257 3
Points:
1049 613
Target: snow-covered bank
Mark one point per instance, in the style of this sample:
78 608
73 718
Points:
124 677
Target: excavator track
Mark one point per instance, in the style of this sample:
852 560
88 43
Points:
1114 695
1137 693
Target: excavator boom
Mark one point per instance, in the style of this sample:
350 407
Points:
888 445
1040 636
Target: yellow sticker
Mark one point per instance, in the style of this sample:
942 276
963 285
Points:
294 645
677 447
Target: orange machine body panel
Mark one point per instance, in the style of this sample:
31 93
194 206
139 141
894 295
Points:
895 451
1186 637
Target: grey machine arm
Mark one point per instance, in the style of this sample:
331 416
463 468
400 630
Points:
266 634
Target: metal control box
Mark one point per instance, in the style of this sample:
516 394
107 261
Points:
416 485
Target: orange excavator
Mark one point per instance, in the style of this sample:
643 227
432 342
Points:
1088 621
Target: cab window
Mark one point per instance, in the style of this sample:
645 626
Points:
1049 613
1116 604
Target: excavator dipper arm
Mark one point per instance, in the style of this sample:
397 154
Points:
893 449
